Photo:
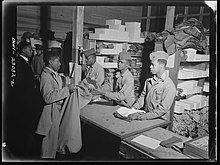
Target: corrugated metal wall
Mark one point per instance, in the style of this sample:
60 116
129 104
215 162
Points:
60 17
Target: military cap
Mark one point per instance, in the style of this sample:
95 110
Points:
38 47
124 56
158 55
89 52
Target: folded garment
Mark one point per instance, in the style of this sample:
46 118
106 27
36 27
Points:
118 115
170 142
123 111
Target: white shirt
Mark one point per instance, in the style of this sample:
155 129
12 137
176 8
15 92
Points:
25 58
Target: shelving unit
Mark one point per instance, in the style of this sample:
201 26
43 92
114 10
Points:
109 42
191 110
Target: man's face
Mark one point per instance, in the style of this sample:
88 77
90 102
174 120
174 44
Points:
155 67
27 52
55 63
122 64
39 51
90 60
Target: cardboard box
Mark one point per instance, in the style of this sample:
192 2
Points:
179 109
100 59
122 37
117 27
116 50
110 65
197 147
190 90
185 74
132 24
136 40
188 84
113 22
198 72
186 105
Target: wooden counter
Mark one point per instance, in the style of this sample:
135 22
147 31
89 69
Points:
133 150
100 114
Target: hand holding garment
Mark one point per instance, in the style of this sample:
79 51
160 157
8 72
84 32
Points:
137 116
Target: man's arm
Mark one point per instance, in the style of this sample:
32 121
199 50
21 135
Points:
140 101
50 94
162 108
123 93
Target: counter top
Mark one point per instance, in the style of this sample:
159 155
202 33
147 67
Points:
101 115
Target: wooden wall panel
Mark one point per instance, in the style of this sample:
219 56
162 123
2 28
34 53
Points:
28 17
98 14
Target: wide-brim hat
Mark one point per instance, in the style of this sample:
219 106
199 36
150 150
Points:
158 55
38 47
89 52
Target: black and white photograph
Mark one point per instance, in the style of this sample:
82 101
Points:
109 81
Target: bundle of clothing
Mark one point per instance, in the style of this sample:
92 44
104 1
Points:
188 34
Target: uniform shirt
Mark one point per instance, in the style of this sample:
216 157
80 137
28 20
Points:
96 71
160 96
38 64
124 93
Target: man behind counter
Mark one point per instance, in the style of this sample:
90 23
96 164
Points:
95 71
158 93
124 91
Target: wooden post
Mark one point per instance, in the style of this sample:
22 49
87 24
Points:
186 13
148 19
77 29
77 41
170 17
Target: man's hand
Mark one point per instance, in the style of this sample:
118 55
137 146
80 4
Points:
137 116
71 87
98 92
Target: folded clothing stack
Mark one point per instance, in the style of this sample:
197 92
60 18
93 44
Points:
170 142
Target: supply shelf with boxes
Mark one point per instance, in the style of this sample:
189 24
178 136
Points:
192 100
109 42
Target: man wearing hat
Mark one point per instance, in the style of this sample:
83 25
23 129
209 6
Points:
158 93
94 70
124 91
37 61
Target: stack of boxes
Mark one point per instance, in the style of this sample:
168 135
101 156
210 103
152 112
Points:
187 73
130 32
192 56
134 29
189 87
115 32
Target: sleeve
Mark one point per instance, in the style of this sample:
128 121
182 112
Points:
50 94
123 93
164 106
140 101
100 76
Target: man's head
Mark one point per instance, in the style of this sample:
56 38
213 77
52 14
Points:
52 60
124 60
158 62
90 56
39 49
25 49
